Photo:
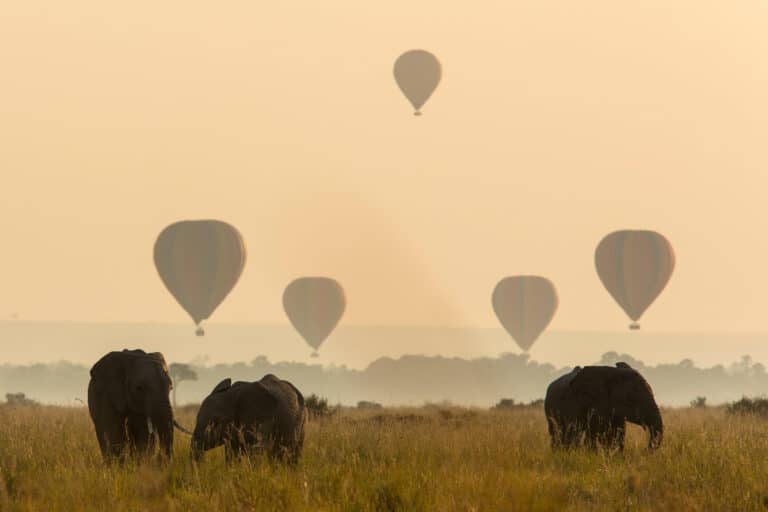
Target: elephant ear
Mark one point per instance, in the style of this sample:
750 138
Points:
299 396
222 386
160 360
109 374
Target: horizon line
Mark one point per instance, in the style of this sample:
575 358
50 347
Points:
373 326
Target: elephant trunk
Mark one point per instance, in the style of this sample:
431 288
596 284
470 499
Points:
655 428
204 438
197 447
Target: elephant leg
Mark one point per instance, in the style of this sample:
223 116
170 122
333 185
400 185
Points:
565 434
609 433
297 448
294 453
555 434
562 431
230 451
233 446
139 436
229 454
112 436
115 440
108 424
594 431
617 434
102 437
94 407
252 441
572 434
280 448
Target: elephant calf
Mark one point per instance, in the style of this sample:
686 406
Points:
595 402
266 415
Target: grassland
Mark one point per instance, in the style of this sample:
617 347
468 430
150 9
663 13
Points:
408 459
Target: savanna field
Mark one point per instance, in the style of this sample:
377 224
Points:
431 458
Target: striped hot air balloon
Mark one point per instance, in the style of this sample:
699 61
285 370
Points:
525 305
199 261
314 306
634 267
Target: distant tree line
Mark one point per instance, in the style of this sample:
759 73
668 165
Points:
409 380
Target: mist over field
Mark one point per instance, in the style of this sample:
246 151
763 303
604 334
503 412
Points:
462 366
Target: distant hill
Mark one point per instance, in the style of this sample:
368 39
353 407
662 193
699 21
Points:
412 380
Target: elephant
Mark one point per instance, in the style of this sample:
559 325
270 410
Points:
129 405
249 417
595 402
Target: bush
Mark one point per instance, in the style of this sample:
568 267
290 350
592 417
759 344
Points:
18 399
318 407
699 402
508 404
365 404
505 403
749 407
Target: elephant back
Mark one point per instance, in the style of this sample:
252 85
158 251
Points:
288 397
291 414
560 385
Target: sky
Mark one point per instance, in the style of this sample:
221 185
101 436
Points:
555 123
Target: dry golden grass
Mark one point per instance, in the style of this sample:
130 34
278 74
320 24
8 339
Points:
408 459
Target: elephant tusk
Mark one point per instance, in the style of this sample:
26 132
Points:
150 427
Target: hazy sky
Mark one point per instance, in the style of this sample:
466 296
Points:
555 123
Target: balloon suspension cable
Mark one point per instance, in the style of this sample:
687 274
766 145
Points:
200 331
634 326
417 113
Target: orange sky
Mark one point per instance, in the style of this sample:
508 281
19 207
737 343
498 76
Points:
555 124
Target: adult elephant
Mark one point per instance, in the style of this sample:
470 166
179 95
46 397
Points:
595 402
129 405
267 415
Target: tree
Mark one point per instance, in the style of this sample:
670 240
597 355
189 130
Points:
180 372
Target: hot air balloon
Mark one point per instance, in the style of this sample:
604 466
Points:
314 306
417 73
199 261
525 305
634 267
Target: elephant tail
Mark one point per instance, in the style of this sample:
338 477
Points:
176 424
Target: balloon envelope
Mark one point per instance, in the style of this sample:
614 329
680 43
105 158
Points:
634 267
417 73
199 262
314 306
525 306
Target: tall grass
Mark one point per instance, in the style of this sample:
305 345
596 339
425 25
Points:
431 458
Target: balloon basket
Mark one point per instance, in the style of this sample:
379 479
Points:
417 113
634 327
199 332
314 355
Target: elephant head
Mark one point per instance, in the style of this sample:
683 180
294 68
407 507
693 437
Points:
242 413
620 392
136 385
